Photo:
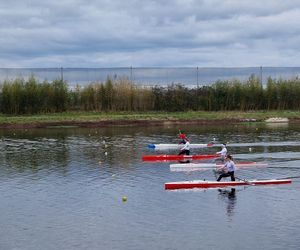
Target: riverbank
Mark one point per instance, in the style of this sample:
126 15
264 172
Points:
101 119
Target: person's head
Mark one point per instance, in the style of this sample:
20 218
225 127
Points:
228 157
223 145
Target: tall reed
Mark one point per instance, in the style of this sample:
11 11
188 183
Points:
21 96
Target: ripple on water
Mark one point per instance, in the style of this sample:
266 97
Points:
66 186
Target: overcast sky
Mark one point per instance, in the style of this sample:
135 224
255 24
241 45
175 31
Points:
163 33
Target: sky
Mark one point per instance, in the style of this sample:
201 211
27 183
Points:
153 33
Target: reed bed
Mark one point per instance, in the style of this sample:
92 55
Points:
21 96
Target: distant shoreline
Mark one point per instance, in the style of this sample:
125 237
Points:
102 119
95 124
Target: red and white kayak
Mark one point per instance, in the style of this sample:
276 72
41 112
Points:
216 184
201 166
178 157
177 146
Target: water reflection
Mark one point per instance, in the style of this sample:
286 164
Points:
277 125
230 197
53 185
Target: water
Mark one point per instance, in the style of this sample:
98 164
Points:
62 189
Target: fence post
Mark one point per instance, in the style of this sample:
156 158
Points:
261 81
62 74
197 88
197 77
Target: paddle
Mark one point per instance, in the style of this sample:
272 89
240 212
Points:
290 177
284 167
287 177
249 183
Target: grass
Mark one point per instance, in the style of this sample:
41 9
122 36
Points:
132 116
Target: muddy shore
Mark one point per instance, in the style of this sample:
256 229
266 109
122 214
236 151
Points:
106 123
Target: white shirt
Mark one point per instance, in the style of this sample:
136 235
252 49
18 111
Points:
230 166
223 152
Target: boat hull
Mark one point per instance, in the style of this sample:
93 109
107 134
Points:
178 157
216 184
177 146
201 166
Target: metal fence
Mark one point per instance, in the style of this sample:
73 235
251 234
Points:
188 76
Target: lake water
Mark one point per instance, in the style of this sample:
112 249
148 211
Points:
62 188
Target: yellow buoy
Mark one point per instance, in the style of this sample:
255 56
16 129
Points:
124 198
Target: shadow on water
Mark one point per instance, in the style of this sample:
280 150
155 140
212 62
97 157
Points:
230 198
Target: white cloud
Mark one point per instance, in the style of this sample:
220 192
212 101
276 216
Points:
117 33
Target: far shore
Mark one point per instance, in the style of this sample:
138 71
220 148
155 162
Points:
102 119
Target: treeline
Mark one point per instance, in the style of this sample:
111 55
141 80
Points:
21 96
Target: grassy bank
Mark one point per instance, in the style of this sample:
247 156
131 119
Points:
82 117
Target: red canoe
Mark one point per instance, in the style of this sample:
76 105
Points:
215 184
178 157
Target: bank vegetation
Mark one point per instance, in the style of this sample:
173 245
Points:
19 96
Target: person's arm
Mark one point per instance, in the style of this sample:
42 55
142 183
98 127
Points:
222 168
186 146
220 152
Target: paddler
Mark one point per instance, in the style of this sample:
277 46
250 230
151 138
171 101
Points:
228 168
223 153
185 149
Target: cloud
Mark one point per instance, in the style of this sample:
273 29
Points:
81 33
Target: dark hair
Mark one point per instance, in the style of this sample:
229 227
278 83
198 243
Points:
229 157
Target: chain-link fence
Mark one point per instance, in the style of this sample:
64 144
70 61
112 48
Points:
188 76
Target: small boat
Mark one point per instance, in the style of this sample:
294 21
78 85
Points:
177 146
178 157
216 184
201 166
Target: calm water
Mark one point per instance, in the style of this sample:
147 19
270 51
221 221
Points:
63 188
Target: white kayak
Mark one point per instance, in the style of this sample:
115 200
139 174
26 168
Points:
201 166
178 146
